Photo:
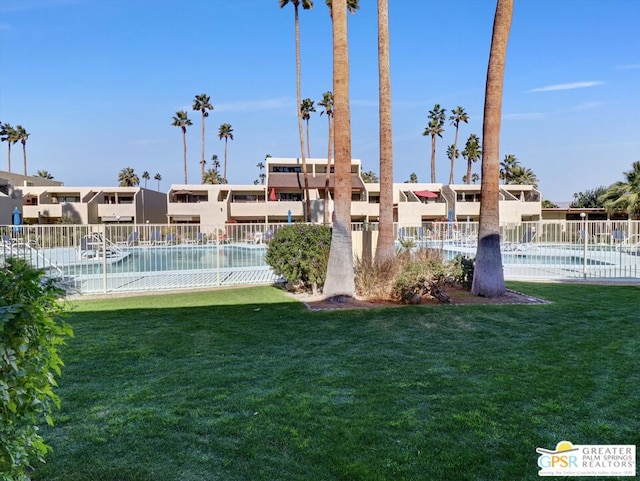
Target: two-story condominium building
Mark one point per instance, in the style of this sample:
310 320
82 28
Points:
281 198
47 202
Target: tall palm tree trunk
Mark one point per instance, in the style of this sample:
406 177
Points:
24 157
308 143
385 247
453 156
9 155
488 279
327 177
184 153
225 157
433 158
307 213
202 161
340 272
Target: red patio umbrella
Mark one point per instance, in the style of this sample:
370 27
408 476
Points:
272 195
427 194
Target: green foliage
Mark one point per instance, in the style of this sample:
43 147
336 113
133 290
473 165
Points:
463 267
31 331
300 253
547 204
589 199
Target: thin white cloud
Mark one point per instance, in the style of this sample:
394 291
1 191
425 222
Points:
4 26
524 116
587 106
629 66
569 86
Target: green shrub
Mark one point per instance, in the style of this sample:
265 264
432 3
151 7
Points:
31 331
300 253
463 267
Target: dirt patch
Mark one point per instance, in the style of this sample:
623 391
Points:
458 296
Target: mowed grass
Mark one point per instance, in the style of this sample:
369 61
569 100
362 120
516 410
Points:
247 384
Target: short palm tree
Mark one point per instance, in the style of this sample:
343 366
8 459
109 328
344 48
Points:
625 195
181 120
212 176
225 132
471 153
327 104
215 163
44 174
262 175
158 177
202 103
457 115
22 135
146 177
509 163
128 178
9 135
306 109
413 178
523 176
434 129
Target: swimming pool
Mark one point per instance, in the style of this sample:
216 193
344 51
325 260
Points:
166 258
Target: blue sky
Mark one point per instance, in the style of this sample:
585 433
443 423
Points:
96 83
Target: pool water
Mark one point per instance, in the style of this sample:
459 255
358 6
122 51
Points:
177 258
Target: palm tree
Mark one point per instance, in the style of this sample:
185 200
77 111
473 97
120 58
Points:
212 176
9 135
225 132
327 103
458 115
413 178
352 6
22 135
471 153
307 108
44 174
128 178
475 177
262 175
340 272
146 177
201 103
435 128
522 176
509 163
158 177
306 5
385 248
215 163
488 277
181 120
370 177
625 195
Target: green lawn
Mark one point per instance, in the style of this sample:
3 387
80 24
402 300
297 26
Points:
246 384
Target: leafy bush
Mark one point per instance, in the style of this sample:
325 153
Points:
300 253
463 267
31 331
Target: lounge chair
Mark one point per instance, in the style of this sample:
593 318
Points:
132 239
170 239
155 237
526 243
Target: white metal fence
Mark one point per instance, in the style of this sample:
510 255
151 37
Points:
126 257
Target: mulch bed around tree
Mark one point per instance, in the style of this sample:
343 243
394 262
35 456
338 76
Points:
458 296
